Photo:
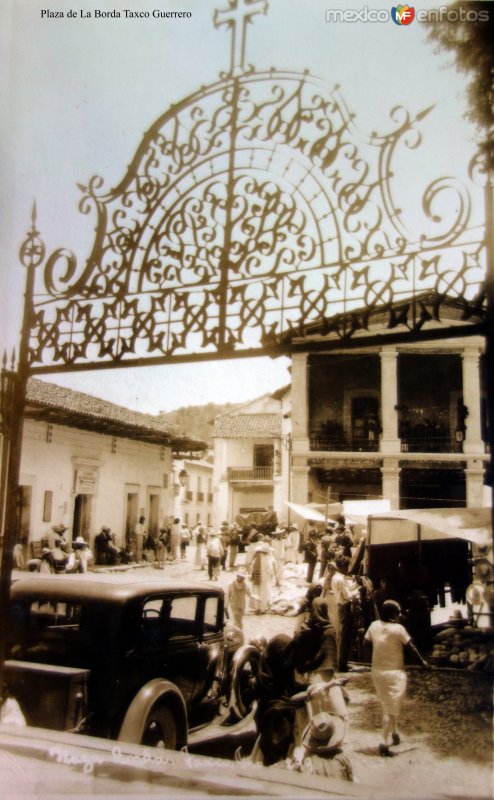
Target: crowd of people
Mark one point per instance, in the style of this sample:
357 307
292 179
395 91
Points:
59 555
309 735
335 606
301 715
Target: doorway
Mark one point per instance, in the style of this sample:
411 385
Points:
82 516
132 514
24 514
154 511
365 423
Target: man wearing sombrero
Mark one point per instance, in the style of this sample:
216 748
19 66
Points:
320 751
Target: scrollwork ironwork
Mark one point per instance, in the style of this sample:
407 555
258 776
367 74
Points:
251 206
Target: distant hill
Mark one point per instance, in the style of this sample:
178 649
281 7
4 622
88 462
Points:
197 421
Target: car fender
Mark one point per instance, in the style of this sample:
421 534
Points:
155 691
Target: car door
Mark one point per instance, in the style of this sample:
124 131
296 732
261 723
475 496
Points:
164 641
183 660
211 644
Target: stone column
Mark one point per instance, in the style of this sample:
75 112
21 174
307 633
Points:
390 472
300 484
279 505
390 442
471 399
474 478
300 403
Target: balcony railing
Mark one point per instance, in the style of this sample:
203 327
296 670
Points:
189 496
417 443
341 443
200 497
428 443
210 497
250 473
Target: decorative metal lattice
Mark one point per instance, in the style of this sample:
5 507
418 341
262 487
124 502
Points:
249 207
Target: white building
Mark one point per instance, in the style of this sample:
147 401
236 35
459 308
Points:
251 458
193 488
87 463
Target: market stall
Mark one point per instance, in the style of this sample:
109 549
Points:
430 557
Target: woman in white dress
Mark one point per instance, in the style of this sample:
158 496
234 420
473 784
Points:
389 639
292 545
262 577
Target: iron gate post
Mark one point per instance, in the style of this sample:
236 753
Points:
31 255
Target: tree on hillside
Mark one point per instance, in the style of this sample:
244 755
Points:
467 31
197 421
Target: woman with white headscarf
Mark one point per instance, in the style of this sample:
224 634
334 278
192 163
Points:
262 577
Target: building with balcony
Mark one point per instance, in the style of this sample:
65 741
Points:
406 421
193 488
251 465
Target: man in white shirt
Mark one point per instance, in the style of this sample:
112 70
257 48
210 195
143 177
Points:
139 536
236 598
215 551
345 590
278 548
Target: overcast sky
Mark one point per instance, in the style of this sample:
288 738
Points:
79 93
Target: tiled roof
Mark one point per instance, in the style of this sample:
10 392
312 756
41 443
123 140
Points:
429 306
67 407
247 426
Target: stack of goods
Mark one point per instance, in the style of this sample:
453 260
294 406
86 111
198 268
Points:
463 646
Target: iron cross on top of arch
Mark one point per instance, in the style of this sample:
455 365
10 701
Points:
237 16
252 211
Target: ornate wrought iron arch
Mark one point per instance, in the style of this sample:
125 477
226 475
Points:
249 207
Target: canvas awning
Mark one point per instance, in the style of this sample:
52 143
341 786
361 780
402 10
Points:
331 508
359 510
354 511
472 524
316 512
306 512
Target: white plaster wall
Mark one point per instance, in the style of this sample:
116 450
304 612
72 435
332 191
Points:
261 497
221 504
240 453
50 466
190 510
228 498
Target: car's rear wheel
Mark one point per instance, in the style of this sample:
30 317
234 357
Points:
244 672
160 729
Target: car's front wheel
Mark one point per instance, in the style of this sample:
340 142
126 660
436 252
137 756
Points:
160 729
243 678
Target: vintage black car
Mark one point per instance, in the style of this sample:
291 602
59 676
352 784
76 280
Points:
137 661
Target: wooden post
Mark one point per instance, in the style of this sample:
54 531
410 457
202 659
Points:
326 515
